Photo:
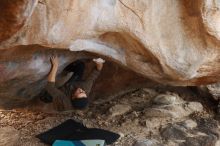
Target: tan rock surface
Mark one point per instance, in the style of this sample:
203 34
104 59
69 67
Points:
171 41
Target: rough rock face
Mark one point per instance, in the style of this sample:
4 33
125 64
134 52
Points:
165 105
24 74
214 90
172 42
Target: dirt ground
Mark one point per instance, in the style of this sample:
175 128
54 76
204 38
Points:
131 122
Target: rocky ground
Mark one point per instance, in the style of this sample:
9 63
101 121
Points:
145 117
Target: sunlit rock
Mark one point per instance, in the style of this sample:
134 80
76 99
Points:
171 42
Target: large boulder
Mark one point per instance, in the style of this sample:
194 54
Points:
171 42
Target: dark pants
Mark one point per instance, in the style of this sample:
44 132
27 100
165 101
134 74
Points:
77 68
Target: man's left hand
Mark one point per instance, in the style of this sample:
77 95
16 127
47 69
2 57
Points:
99 63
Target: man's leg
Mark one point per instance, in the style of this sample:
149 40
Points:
78 68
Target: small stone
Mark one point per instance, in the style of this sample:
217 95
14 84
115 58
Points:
136 121
152 123
119 109
150 92
174 132
39 117
166 99
209 140
89 113
147 142
142 95
195 106
135 114
79 113
106 123
121 134
190 124
89 124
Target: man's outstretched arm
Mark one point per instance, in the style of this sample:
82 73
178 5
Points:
52 75
60 100
93 76
99 65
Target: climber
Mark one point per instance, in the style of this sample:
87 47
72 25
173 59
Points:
74 93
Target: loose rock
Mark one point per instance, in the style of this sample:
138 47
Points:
190 124
166 99
174 132
208 140
147 142
119 109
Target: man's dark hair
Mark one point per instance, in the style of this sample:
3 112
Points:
80 103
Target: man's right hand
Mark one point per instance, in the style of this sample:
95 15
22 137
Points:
54 61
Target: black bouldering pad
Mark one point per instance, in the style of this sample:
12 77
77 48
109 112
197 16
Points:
72 130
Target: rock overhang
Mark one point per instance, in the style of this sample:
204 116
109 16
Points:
171 42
